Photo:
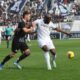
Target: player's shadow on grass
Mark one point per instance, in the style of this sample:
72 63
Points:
27 68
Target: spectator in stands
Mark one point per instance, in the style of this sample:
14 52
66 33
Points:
39 6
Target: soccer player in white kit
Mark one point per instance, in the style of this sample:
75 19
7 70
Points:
43 35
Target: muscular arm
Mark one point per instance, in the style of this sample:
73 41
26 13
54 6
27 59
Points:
60 30
26 30
31 29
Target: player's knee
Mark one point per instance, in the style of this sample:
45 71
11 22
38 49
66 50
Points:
45 48
12 54
27 52
53 51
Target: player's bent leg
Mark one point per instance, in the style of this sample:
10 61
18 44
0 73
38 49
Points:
6 59
53 52
47 57
25 54
45 48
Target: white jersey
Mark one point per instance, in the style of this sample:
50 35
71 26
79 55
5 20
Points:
44 30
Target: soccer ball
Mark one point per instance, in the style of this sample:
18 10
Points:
70 54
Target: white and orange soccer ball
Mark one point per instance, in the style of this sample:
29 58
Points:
70 54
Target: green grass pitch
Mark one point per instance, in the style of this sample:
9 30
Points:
34 67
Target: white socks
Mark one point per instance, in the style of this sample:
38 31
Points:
53 61
54 57
47 58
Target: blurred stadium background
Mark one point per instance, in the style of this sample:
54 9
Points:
65 14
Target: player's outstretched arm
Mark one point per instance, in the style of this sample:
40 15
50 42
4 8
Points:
31 29
60 30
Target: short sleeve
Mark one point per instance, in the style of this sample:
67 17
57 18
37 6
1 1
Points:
52 25
21 25
37 21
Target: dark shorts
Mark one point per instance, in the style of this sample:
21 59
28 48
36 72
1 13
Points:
7 36
22 46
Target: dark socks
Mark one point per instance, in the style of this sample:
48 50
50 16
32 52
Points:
6 59
8 44
23 56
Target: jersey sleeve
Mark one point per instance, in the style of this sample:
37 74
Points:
36 21
52 25
21 25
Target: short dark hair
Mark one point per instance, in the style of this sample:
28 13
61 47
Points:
47 18
26 13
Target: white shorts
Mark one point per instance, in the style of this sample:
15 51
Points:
46 42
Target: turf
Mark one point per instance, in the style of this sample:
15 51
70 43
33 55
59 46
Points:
34 67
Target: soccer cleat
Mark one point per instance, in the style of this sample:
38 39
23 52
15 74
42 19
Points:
1 67
49 69
17 65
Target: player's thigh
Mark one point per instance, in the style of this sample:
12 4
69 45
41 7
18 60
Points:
12 54
44 48
50 45
15 46
25 49
43 45
9 37
6 36
53 51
